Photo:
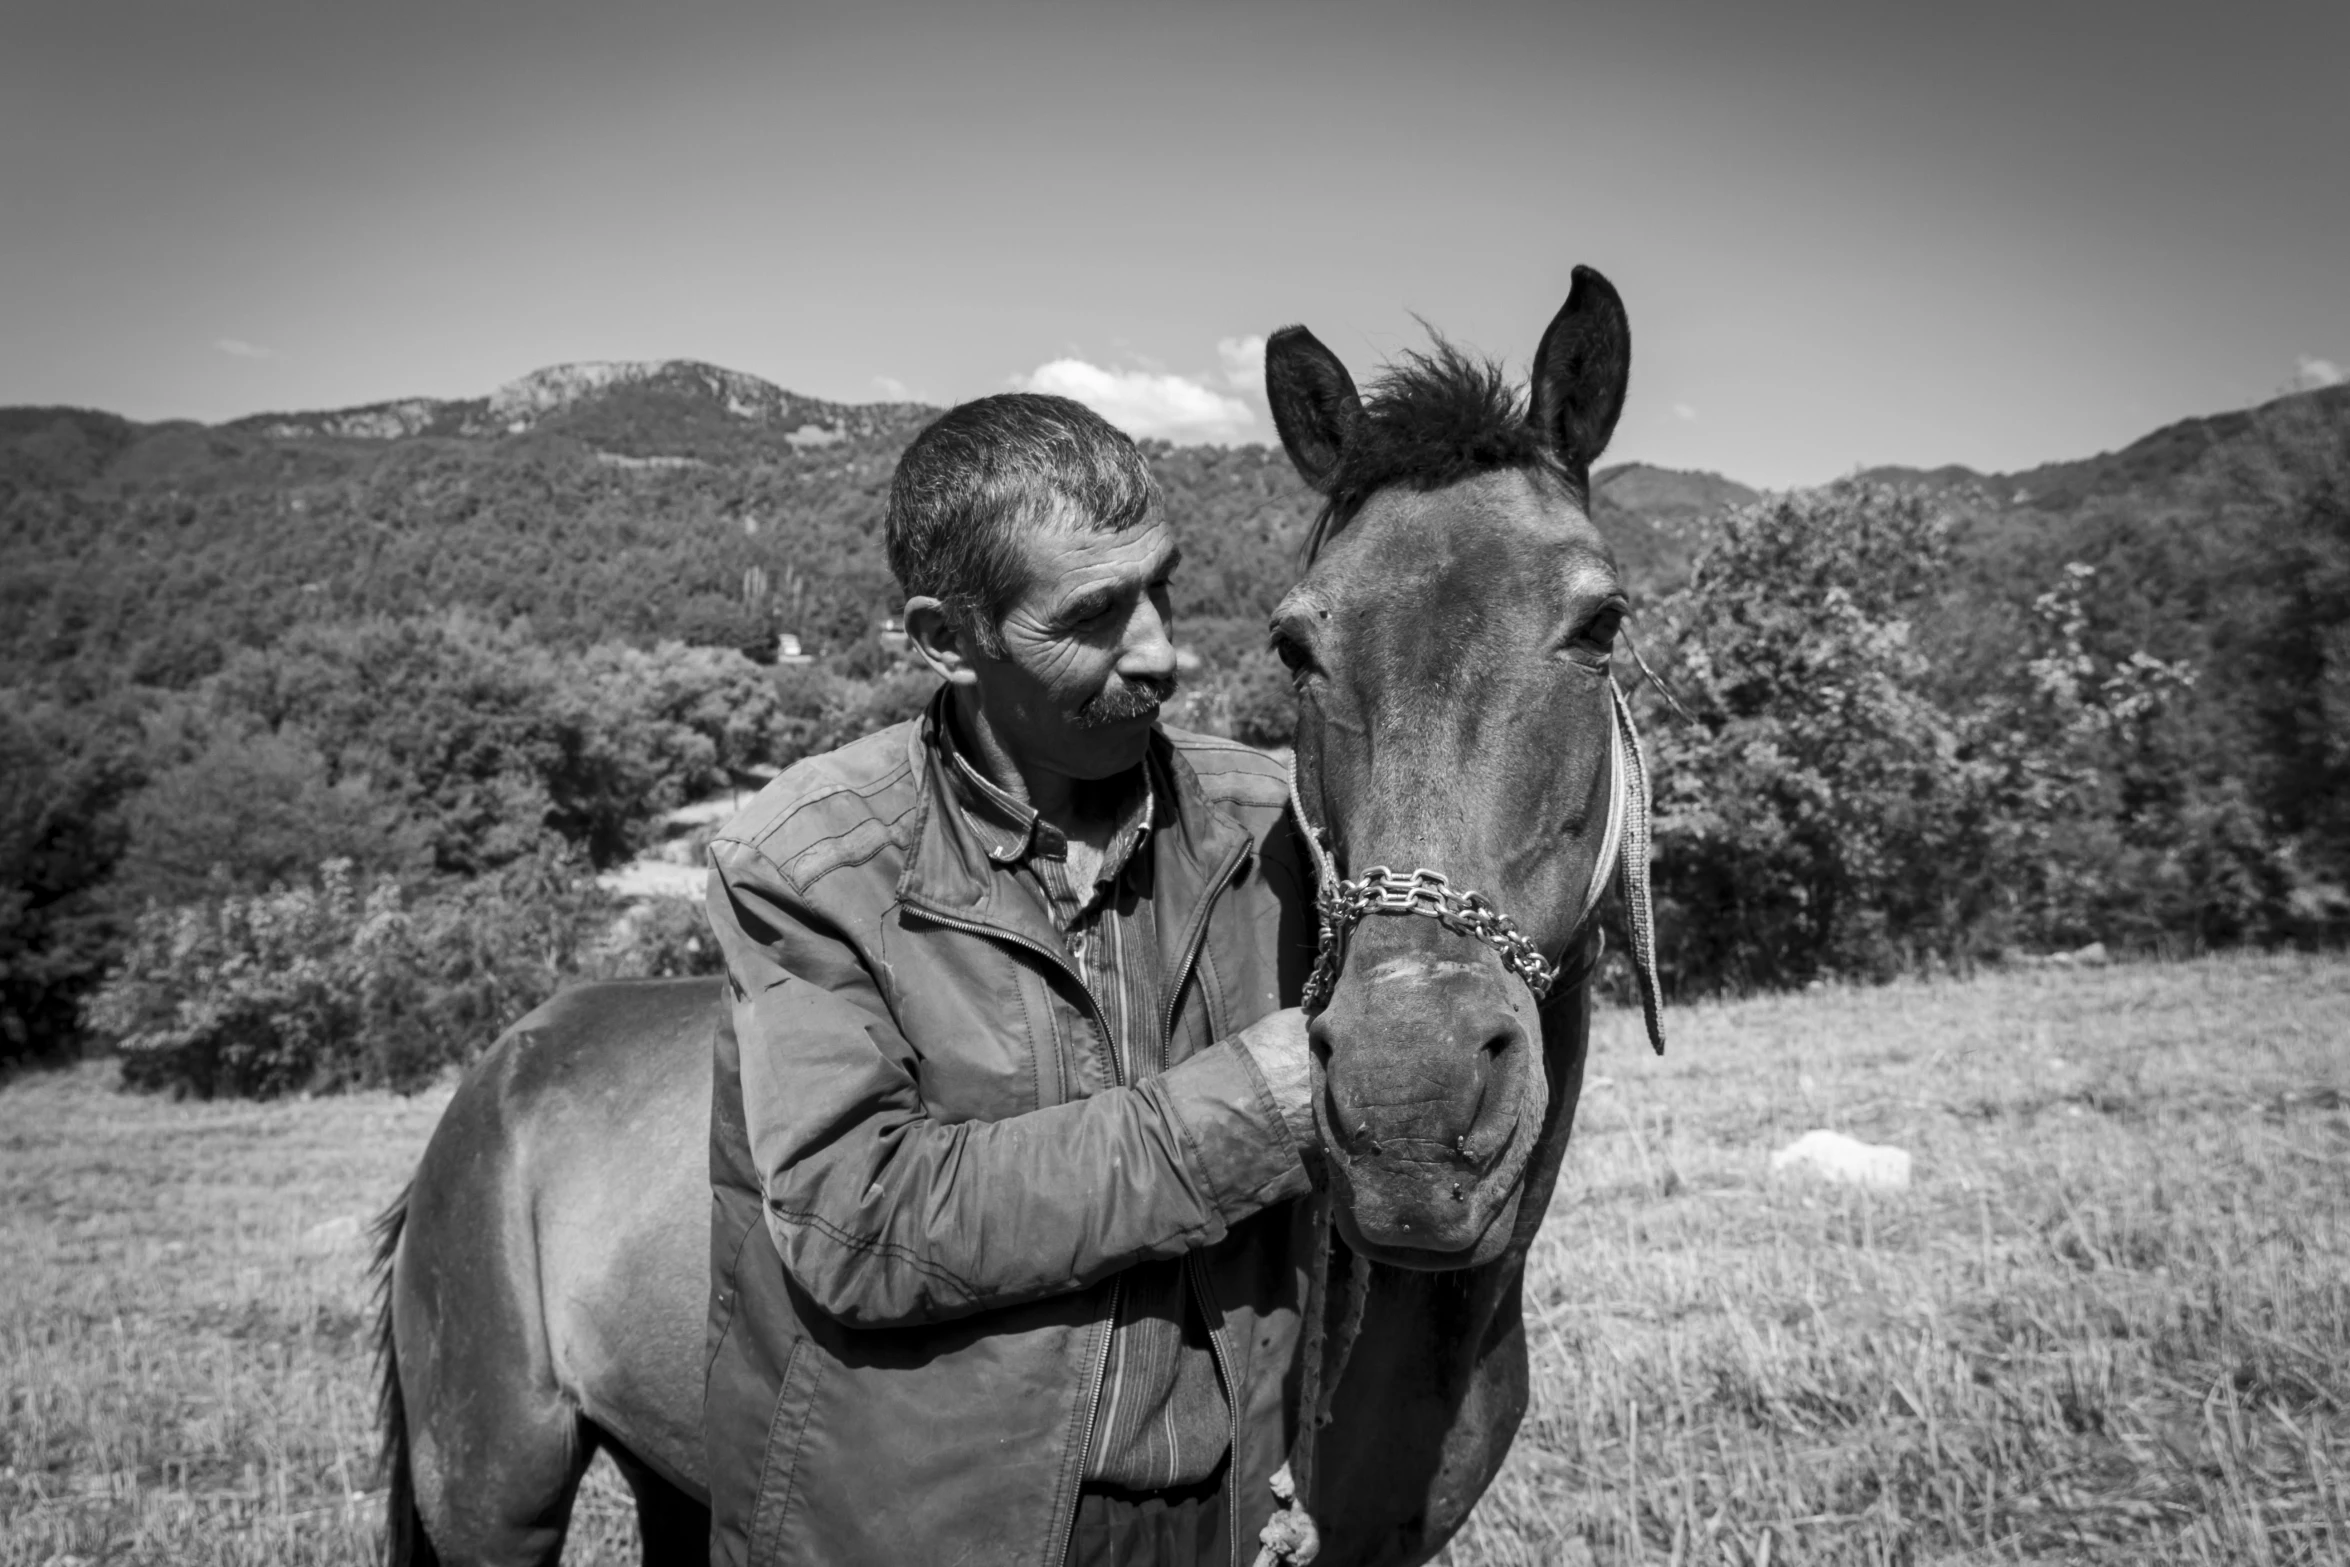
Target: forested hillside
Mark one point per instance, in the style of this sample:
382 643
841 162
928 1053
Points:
468 650
642 512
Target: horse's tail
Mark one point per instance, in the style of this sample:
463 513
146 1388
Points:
405 1544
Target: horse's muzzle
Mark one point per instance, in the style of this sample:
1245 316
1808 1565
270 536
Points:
1431 1088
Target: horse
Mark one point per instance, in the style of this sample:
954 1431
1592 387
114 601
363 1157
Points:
544 1276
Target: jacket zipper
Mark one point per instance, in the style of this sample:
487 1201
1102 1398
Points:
1057 1550
1213 1315
1066 1526
1210 1312
1193 941
1059 960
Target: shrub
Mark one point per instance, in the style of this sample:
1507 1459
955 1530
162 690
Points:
856 708
337 982
250 994
661 938
1837 807
1250 700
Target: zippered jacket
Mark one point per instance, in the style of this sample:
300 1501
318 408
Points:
926 1177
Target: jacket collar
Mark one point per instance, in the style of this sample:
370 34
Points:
951 875
1010 830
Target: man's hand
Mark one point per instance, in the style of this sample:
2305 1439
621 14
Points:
1277 1043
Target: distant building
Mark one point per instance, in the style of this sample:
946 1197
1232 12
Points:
781 648
892 634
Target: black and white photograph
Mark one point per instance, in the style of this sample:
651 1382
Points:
1197 784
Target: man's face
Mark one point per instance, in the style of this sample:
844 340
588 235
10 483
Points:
1088 650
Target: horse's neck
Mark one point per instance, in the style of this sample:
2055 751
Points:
1431 1396
1424 1414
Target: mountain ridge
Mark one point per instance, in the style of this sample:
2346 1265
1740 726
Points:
552 392
647 411
2162 455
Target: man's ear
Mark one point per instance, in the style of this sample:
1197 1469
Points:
932 632
1315 406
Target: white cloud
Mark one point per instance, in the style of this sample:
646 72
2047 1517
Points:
1684 413
1146 403
2310 373
1244 360
241 349
892 389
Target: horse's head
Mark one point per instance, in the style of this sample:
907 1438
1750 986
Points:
1451 645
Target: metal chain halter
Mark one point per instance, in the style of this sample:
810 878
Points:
1343 902
1380 890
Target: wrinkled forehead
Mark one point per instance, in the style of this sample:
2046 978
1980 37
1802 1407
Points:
1496 542
1069 558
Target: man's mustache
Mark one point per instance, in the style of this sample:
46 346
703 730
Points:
1124 700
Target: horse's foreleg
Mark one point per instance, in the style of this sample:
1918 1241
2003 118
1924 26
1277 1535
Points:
495 1452
674 1527
509 1510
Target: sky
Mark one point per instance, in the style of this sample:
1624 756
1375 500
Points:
1847 234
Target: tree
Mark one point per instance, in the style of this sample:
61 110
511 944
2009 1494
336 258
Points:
2294 480
1821 814
252 808
62 780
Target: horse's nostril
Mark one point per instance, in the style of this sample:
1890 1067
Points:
1433 1072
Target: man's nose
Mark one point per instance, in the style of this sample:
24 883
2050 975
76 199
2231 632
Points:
1149 652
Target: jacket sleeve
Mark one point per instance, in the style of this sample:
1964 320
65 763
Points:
886 1216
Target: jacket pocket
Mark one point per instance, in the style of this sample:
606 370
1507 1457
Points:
779 1465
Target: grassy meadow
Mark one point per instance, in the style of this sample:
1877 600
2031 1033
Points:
2110 1321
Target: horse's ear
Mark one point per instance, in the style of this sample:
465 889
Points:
1315 406
1581 369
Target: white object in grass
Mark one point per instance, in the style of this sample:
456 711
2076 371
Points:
1832 1156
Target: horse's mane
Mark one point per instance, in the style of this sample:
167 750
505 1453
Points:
1430 420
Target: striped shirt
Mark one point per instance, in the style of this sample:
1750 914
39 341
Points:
1162 1421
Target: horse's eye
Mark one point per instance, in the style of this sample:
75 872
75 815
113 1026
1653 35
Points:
1595 642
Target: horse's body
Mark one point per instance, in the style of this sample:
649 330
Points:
582 1300
540 1308
548 1269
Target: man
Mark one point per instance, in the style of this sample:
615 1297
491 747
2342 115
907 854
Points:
1014 1112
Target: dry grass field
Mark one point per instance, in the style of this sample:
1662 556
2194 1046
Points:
2109 1322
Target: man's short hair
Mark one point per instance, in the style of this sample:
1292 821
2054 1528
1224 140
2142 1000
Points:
982 476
